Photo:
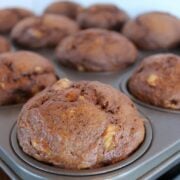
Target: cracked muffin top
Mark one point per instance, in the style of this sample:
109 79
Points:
66 8
80 125
4 45
96 50
11 16
23 74
105 16
153 31
157 81
45 31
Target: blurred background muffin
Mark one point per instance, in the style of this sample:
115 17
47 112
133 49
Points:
9 17
22 75
157 81
154 31
96 50
105 16
44 31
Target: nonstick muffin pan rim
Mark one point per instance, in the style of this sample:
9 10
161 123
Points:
124 88
55 170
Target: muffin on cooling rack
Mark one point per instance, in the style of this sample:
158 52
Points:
45 31
157 81
9 17
154 31
96 50
105 16
66 8
4 45
80 125
22 75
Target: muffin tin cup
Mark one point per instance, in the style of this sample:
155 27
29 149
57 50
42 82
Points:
52 169
124 89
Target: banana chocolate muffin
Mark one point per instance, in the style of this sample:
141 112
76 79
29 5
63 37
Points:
66 8
154 31
11 16
45 31
4 45
157 81
96 50
105 16
23 74
80 125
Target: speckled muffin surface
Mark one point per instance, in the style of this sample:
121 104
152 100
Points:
23 74
154 31
105 16
96 50
44 31
4 45
66 8
80 125
157 81
11 16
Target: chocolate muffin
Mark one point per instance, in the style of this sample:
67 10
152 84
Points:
80 125
66 8
105 16
23 74
11 16
157 81
4 45
153 31
44 31
96 50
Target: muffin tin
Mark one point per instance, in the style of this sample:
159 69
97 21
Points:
159 151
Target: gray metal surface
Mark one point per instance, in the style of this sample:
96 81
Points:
165 126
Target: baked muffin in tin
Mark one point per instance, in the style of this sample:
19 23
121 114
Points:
22 75
9 17
154 31
45 31
105 16
157 81
96 50
66 8
80 125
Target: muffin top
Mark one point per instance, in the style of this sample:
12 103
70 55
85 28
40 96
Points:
23 74
157 81
66 8
44 31
11 16
154 30
80 125
105 16
4 45
96 50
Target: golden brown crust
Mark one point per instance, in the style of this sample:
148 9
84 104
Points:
96 50
105 16
157 81
154 30
44 31
23 74
80 125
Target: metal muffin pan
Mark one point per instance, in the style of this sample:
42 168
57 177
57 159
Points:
147 162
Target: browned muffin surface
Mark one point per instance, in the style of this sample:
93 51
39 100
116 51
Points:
157 81
154 30
66 8
4 45
11 16
96 50
44 31
23 74
80 125
104 16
